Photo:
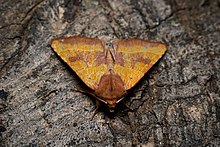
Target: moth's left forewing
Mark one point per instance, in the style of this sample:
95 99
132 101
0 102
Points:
134 57
86 56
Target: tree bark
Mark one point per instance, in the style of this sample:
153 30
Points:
177 103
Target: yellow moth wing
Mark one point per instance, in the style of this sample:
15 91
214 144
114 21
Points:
134 57
84 55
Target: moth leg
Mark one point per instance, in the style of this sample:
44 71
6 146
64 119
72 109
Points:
86 92
81 91
97 101
131 109
96 109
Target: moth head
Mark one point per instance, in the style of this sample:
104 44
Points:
111 103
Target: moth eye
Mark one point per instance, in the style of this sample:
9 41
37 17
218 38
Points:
109 44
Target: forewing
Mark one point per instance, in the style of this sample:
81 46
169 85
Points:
134 57
86 56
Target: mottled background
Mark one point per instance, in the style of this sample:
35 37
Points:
177 103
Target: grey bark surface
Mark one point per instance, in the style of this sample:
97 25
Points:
177 103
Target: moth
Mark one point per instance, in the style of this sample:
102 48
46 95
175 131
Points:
109 70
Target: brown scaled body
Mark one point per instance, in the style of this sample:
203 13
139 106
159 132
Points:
110 90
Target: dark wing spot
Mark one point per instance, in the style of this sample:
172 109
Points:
73 59
138 58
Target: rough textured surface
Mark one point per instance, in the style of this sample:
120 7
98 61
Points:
177 103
